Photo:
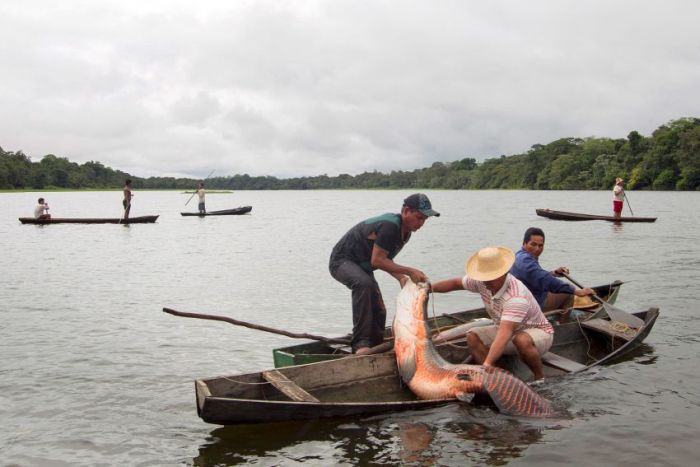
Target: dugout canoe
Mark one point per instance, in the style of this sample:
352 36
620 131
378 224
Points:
89 220
225 212
575 216
370 384
317 351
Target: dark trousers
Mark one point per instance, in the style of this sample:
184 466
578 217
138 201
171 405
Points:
368 311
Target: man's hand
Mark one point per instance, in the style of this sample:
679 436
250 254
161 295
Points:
417 276
583 292
560 271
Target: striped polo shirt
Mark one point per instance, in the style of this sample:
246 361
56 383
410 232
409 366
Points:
513 302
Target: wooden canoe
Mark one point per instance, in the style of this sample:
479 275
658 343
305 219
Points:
225 212
316 351
88 220
575 216
370 384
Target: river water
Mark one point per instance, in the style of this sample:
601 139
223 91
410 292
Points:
92 372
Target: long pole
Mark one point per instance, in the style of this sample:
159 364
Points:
236 322
195 191
628 202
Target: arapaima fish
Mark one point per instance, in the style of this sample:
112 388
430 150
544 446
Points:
429 376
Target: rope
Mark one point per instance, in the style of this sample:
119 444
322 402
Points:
439 330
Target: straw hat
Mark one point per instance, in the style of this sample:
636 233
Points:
584 302
618 180
490 263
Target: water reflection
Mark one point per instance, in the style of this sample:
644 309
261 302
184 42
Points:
453 434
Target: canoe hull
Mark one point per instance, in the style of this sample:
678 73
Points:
370 384
225 212
364 385
575 216
87 220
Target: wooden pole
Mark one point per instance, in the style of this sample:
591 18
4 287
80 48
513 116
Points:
235 322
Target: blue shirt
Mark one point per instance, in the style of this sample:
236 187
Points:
528 270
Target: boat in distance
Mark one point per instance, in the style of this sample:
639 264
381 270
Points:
225 212
575 216
317 351
370 384
90 220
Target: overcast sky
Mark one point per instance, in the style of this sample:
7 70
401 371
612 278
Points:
295 87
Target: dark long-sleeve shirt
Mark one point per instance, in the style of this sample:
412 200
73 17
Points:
527 268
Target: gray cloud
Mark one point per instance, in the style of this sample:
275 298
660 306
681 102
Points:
311 87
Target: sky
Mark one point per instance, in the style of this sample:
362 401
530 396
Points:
294 88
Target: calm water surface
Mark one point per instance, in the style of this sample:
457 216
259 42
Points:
92 372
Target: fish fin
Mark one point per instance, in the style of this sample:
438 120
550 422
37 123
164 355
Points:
512 396
407 361
465 396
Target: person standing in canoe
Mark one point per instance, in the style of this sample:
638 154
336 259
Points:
551 293
373 244
201 193
126 202
41 211
519 326
618 197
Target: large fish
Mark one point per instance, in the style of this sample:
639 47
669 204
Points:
429 376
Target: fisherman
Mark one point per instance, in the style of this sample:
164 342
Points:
373 244
618 197
551 293
41 211
126 202
520 328
201 193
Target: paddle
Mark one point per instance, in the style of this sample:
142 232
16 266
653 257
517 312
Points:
195 191
614 313
235 322
624 193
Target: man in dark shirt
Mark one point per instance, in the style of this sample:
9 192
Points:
373 244
551 293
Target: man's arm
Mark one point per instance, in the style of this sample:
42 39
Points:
447 285
381 260
537 275
503 336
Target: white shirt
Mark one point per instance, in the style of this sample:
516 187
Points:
618 194
39 210
200 193
513 302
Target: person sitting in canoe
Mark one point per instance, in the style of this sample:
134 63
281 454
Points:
373 244
520 328
551 293
618 197
41 211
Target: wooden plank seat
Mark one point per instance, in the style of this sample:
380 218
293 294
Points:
611 328
288 387
562 363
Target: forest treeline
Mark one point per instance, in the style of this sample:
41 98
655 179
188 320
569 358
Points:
669 159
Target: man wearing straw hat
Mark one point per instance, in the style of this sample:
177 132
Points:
520 328
618 197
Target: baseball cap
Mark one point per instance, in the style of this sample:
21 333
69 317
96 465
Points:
421 202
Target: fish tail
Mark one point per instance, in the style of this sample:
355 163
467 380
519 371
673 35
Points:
513 396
